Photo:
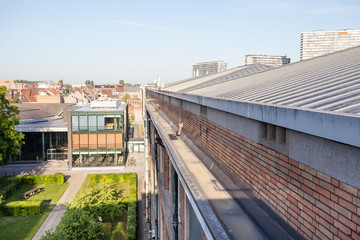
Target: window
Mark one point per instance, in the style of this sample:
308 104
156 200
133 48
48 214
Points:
74 123
83 123
100 122
92 123
109 123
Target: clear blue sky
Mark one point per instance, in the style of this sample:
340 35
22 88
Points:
108 40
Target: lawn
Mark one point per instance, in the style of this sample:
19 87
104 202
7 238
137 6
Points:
24 227
51 193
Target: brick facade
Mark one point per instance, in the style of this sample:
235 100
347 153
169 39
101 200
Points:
316 205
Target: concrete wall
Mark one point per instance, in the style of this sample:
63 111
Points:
304 183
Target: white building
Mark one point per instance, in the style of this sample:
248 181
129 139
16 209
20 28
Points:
208 68
317 43
275 61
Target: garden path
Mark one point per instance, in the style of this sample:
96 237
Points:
54 218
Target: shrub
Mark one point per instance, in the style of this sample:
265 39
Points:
131 221
20 208
76 224
9 185
44 179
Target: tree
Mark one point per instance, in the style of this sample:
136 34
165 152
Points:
100 201
76 224
122 82
61 81
69 87
126 97
10 139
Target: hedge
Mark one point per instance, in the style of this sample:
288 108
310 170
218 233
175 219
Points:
9 186
132 221
132 200
111 178
44 179
20 208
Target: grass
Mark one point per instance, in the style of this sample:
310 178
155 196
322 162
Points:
51 193
24 227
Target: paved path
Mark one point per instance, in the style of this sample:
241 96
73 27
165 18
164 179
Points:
54 218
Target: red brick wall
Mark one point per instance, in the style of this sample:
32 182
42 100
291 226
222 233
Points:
316 205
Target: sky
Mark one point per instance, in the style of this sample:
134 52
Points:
106 41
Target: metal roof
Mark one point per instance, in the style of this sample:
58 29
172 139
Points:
191 84
329 83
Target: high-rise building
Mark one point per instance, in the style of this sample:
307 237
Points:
317 43
275 61
208 68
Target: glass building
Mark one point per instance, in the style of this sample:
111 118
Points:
99 134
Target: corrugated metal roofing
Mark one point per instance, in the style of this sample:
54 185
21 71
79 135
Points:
209 80
326 83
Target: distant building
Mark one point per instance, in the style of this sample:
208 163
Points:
98 134
11 84
208 68
317 43
275 61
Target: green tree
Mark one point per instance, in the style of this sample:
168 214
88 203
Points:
10 139
61 81
69 87
76 224
126 97
100 200
122 82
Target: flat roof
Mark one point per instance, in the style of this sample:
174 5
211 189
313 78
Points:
87 108
45 126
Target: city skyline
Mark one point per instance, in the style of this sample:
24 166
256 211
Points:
106 42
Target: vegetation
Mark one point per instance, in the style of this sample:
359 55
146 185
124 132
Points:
8 185
44 179
126 97
113 197
10 139
76 224
61 81
100 200
50 193
89 82
11 187
25 81
122 82
20 208
23 227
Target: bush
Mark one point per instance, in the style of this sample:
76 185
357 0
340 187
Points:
132 206
44 179
9 185
111 178
20 208
76 224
